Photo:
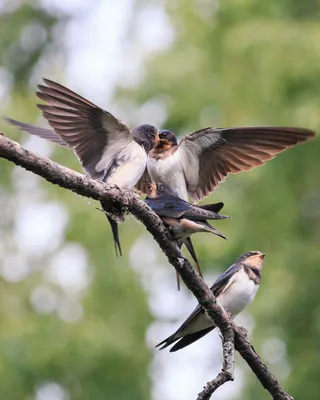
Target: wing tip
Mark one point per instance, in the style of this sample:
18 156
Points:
163 344
48 82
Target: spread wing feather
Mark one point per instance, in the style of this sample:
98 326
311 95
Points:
44 133
210 154
96 136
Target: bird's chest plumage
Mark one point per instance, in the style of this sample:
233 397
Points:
128 168
168 170
238 294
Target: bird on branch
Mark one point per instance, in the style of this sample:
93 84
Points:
234 290
182 218
106 147
109 151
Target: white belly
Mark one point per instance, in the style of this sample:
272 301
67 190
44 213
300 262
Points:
239 294
128 171
234 299
170 172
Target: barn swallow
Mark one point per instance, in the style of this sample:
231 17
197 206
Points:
106 147
203 159
234 290
182 218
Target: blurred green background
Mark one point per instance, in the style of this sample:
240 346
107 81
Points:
78 323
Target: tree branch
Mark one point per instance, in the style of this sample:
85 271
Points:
114 197
226 374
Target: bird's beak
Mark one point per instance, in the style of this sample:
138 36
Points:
157 138
262 255
152 190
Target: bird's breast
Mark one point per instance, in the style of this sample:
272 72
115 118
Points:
238 294
168 170
128 168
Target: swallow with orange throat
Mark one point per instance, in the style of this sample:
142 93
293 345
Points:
182 218
192 168
234 290
107 148
203 159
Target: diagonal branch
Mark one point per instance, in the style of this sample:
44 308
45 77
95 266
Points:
248 353
114 197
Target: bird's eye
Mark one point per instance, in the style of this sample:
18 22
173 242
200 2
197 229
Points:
160 187
162 135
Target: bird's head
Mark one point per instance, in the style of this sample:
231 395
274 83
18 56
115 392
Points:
252 259
152 190
168 137
147 136
157 189
167 140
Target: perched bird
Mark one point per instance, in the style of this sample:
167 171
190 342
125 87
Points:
234 290
182 218
106 148
194 167
204 158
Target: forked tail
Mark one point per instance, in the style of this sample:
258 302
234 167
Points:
115 233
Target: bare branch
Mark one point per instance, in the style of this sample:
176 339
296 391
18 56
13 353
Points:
114 197
226 374
248 353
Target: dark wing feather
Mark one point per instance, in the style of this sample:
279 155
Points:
168 206
201 214
216 207
93 133
219 285
210 154
188 339
44 133
174 207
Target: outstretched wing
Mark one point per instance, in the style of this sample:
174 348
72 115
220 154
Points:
97 137
210 154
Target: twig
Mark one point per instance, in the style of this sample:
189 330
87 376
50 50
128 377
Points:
115 197
226 374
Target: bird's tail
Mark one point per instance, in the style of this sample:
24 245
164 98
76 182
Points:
178 281
212 229
189 246
115 233
184 341
180 242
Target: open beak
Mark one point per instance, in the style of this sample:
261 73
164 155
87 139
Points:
152 190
